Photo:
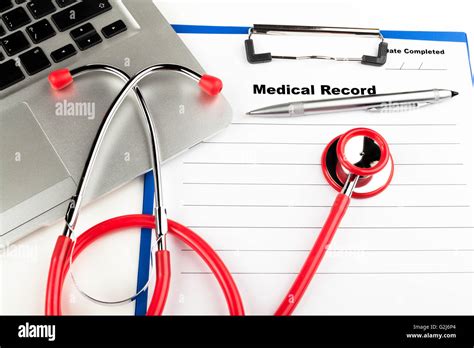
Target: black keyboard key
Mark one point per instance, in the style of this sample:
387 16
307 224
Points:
64 3
2 31
88 41
34 61
85 36
2 57
40 8
16 18
5 5
63 53
40 31
10 74
80 13
114 29
15 43
83 30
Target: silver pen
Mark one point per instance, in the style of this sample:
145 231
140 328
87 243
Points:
390 102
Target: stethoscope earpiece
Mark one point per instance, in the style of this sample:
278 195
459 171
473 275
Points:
361 152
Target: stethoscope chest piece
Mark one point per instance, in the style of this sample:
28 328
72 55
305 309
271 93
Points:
362 152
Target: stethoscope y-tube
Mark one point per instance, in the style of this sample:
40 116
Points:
66 250
61 79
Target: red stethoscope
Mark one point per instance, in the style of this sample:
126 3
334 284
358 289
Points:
357 163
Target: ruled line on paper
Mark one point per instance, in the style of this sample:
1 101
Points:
315 206
332 273
347 124
420 68
417 69
312 144
338 250
307 164
340 227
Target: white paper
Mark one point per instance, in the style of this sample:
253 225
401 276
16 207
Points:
256 192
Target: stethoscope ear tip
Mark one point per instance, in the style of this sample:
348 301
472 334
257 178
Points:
211 85
60 79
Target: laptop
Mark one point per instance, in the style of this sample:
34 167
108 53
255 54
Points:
45 135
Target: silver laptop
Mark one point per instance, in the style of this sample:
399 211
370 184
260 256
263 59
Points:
45 135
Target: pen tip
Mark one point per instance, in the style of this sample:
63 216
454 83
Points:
454 93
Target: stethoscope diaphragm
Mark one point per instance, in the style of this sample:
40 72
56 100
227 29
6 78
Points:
362 152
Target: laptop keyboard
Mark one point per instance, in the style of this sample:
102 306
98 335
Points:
23 26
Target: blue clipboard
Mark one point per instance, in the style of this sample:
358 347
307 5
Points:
145 236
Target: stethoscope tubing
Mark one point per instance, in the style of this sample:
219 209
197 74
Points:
310 266
62 252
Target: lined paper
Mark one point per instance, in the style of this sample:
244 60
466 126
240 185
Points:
256 192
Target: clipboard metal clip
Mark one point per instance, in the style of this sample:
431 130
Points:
270 29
